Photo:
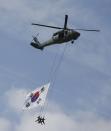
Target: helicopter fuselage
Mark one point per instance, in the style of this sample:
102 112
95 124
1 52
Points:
61 37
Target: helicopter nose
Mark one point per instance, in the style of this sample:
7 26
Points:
76 35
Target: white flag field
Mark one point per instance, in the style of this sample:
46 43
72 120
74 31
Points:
36 98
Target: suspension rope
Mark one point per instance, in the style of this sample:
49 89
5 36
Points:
58 65
53 76
52 68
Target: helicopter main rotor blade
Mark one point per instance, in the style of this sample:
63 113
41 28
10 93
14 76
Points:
65 23
65 26
55 27
88 30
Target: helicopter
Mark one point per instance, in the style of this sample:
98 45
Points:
64 34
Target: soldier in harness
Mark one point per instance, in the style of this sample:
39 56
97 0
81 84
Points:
40 120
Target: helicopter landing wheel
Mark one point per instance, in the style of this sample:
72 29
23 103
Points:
72 42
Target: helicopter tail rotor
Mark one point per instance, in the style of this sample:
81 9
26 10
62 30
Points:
35 43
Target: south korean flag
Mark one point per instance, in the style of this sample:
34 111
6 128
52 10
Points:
36 97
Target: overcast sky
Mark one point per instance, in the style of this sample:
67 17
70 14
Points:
80 98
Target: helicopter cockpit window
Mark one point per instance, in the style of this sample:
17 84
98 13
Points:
55 36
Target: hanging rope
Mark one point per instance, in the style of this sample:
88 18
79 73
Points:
53 76
53 79
52 68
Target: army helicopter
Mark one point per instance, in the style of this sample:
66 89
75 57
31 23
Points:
64 34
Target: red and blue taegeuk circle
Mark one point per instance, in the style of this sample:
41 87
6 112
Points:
35 96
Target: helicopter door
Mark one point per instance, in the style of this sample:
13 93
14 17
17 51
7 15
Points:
61 35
